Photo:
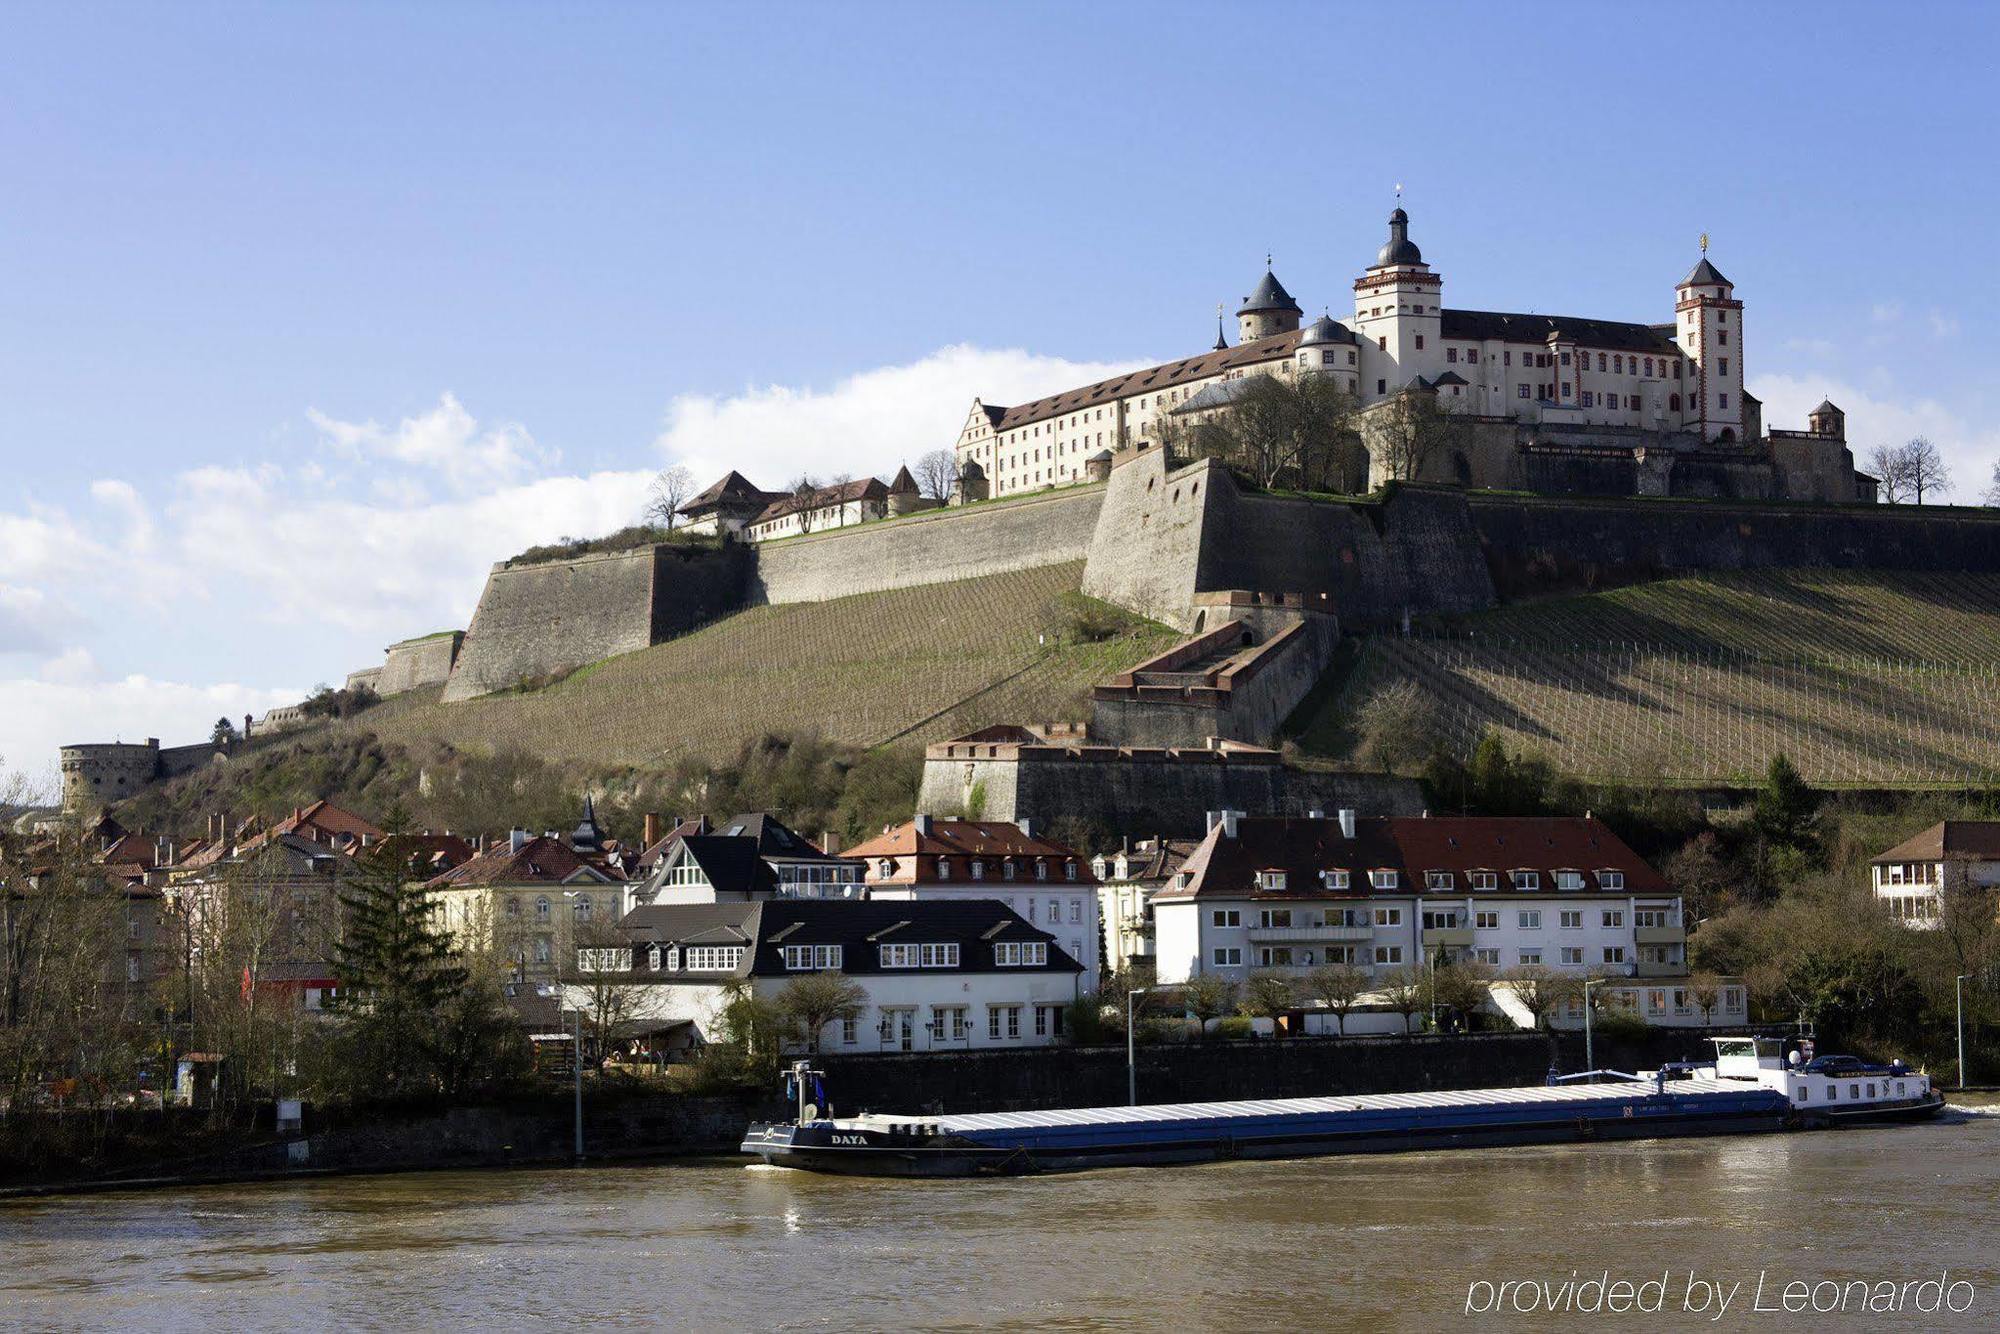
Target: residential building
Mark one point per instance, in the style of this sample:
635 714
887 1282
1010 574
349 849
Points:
1386 893
1129 878
531 898
1919 876
960 974
727 508
274 902
748 856
1048 883
815 511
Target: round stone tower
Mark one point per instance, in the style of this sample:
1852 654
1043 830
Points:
97 775
1267 311
972 484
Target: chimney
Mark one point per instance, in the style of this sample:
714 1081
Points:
1347 822
829 842
163 851
923 824
652 834
517 838
1229 819
1210 819
1027 827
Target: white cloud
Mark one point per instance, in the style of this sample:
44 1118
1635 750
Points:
446 440
866 423
1877 419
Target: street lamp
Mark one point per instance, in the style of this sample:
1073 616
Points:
1589 1047
1959 987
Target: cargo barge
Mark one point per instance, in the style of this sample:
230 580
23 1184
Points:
1748 1089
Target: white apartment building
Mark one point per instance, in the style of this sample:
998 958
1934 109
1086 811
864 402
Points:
1383 893
1915 878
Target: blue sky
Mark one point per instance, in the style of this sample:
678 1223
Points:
310 312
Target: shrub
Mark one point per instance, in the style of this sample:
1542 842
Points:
1073 618
1235 1027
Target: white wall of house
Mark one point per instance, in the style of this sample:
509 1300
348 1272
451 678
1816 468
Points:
1067 910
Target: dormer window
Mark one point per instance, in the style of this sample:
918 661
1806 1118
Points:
1569 880
1271 880
1384 877
1041 869
1483 880
978 869
1007 870
944 868
885 867
1335 880
1526 879
1611 880
1069 870
1437 880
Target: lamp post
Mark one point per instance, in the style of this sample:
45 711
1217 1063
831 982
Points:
1959 987
1589 1046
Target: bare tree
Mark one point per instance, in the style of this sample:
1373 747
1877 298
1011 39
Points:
1269 995
672 488
1396 726
1912 468
1338 986
805 489
1992 496
1208 996
1540 989
936 472
1410 434
1705 989
1403 989
811 1001
1289 431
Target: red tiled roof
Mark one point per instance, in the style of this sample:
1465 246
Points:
1411 845
539 861
967 838
1166 375
1948 840
734 487
861 488
327 819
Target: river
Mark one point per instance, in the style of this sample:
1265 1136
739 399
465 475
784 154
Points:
1399 1241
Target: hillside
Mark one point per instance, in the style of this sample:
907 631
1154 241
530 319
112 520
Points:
1862 678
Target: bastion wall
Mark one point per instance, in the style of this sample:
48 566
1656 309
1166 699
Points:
415 663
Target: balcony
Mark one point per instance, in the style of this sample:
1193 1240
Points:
1448 937
1659 935
1649 968
1311 935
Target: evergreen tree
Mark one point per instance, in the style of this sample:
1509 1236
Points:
397 971
1787 810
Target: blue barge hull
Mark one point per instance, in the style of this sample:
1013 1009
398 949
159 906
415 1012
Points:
1068 1140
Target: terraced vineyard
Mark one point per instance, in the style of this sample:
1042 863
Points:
910 665
1862 679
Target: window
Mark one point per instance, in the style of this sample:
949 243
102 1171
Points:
713 958
922 955
1526 879
1383 878
944 868
1274 956
1486 921
849 1032
1075 911
1723 401
978 870
513 907
1491 956
812 958
1274 880
1565 358
1451 355
1569 880
1055 913
1614 954
1506 356
1334 879
1420 342
1227 956
1653 917
1483 880
670 959
1572 920
1520 391
584 907
1015 954
1613 881
1069 870
1572 954
1388 917
1614 917
993 1022
885 867
1440 880
653 958
1275 917
1531 956
600 961
1600 361
1007 870
1041 869
1228 917
1440 919
1041 1021
1388 954
542 908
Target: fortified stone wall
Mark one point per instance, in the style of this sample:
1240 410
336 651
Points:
371 677
1146 554
540 621
933 547
418 662
1536 545
1158 791
1162 706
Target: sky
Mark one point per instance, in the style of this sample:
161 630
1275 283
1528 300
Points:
311 312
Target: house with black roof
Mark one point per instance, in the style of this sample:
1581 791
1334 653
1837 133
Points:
948 975
753 855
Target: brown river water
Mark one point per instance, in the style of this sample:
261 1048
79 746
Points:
1389 1242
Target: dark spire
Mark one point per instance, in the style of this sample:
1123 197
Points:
588 837
1399 249
1221 343
1270 295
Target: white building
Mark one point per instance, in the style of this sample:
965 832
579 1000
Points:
1130 877
1916 878
1680 375
1048 883
937 976
1287 895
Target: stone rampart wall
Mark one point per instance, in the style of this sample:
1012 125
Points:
933 547
415 663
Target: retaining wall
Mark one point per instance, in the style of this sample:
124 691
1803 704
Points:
932 547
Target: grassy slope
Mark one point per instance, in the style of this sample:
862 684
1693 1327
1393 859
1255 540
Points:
1862 678
909 665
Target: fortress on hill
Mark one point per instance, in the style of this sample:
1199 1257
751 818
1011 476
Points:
1600 453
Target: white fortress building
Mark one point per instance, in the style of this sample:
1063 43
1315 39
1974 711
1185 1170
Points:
1553 403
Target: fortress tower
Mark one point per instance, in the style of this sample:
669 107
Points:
1396 310
1708 325
1268 310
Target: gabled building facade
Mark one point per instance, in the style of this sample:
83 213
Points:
1916 878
